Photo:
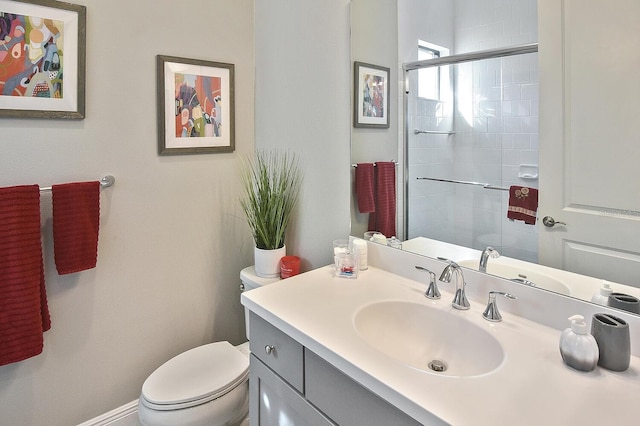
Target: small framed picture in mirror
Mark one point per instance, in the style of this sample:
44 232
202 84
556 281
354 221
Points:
371 96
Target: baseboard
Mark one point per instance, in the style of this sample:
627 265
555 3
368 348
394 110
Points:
126 415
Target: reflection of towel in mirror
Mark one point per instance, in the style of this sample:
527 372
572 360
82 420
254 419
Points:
383 219
76 218
24 314
364 188
523 204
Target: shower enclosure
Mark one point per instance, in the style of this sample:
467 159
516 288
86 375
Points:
471 131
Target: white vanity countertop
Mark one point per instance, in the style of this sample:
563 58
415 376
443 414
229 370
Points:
531 387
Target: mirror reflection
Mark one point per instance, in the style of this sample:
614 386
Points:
468 133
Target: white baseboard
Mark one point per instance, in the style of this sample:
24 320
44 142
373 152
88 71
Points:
126 415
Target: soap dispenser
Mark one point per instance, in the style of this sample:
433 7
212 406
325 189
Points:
579 349
602 296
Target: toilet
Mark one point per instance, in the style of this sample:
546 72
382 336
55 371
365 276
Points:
206 385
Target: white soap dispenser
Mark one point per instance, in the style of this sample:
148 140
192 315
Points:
579 349
602 296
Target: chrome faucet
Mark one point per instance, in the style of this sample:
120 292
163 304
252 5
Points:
432 291
484 258
460 298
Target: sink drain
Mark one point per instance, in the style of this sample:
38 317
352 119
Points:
437 366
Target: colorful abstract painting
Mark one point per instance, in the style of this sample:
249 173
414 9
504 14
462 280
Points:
31 56
373 95
195 106
198 106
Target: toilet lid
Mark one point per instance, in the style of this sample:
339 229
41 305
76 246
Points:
204 372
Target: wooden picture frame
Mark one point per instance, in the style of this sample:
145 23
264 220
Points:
371 96
195 106
43 59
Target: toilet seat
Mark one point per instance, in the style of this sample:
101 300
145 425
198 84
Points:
195 377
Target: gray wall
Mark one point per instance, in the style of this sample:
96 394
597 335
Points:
172 238
374 40
303 86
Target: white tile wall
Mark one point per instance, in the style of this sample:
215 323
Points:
495 118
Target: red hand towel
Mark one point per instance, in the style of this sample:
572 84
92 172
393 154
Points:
76 221
24 314
364 188
523 204
384 218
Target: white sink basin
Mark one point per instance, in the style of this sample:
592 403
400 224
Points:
509 272
418 335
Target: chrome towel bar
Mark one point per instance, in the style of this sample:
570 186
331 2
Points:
105 182
466 182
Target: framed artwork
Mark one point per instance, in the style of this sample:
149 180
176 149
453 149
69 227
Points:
371 96
42 59
195 106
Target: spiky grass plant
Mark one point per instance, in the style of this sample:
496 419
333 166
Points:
271 183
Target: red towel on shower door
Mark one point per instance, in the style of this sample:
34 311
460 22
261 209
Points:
24 314
523 204
76 219
383 219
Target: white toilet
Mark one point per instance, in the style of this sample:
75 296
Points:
207 385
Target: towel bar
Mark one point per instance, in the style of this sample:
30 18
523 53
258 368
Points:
466 182
393 161
105 182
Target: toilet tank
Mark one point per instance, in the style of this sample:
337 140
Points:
251 281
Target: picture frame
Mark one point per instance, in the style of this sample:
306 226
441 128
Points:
43 59
196 106
371 96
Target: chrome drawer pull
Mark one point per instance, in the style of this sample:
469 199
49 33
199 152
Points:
269 349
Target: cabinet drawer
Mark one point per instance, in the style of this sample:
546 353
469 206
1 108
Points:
278 351
346 402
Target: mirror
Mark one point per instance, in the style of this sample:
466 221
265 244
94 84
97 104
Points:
376 39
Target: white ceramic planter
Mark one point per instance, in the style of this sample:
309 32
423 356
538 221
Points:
267 262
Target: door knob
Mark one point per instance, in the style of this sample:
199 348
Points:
551 222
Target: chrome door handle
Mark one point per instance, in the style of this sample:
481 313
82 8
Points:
269 349
551 222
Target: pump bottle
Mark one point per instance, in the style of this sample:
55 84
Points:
578 348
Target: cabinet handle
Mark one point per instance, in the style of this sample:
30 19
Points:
269 349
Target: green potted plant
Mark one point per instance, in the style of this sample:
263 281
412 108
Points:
271 186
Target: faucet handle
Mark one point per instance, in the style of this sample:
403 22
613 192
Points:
491 313
432 291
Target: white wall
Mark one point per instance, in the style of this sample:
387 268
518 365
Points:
303 85
172 239
496 111
429 154
496 123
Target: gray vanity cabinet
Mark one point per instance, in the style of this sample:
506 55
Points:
289 384
276 379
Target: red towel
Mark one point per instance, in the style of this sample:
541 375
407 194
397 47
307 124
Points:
383 219
24 314
364 188
523 204
76 220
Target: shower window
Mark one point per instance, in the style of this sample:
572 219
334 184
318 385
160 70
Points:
429 78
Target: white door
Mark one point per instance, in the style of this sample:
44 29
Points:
589 56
